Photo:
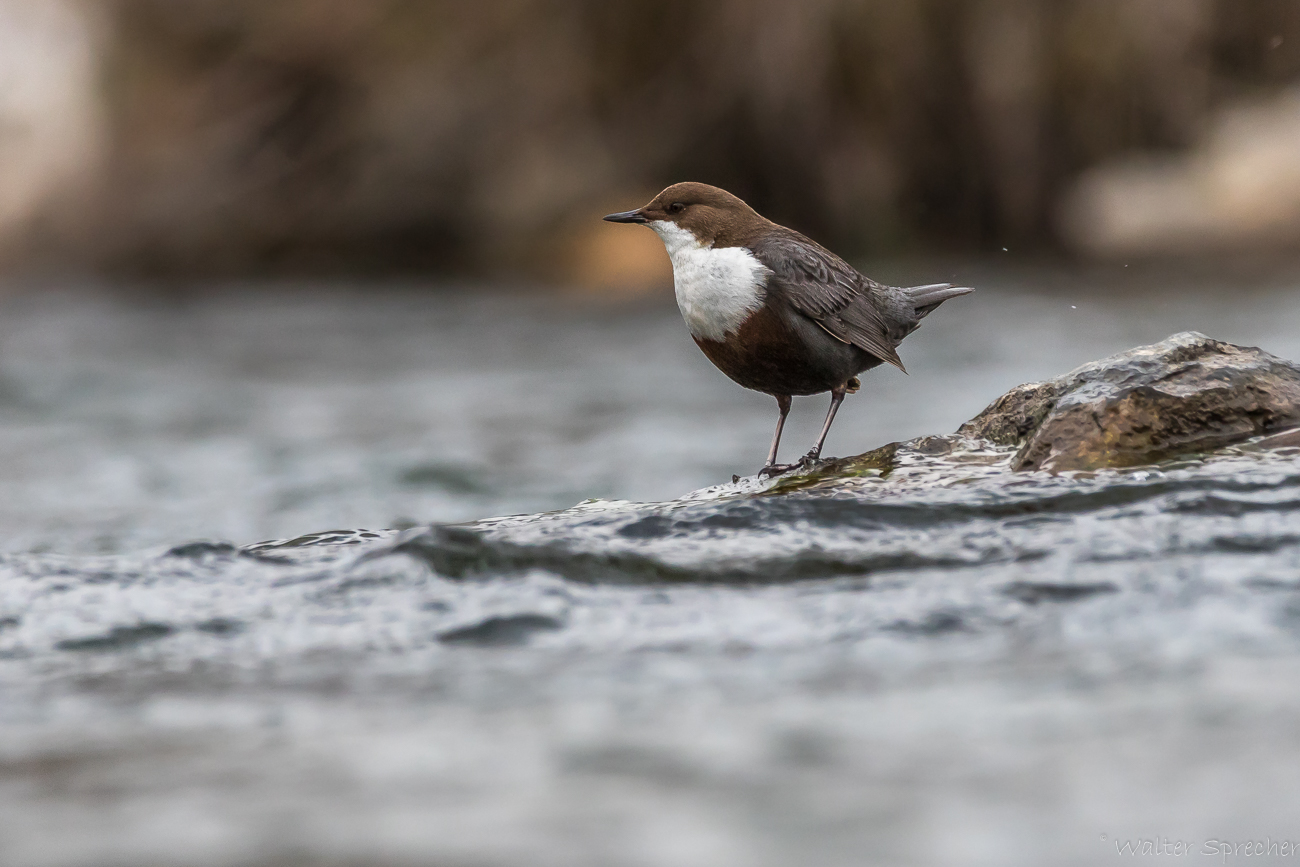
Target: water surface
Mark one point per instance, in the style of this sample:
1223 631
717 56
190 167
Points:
952 664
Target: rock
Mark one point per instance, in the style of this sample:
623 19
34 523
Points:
1183 395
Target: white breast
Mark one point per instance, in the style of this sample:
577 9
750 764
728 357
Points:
717 288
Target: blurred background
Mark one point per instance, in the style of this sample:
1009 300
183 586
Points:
272 267
233 137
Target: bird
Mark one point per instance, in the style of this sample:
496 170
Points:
774 310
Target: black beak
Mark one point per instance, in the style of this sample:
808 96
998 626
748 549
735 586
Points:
627 217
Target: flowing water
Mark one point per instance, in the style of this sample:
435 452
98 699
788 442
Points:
943 664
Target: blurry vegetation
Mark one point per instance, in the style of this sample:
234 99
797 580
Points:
246 135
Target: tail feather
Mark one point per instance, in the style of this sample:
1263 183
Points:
926 298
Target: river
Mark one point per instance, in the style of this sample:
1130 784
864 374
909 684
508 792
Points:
228 635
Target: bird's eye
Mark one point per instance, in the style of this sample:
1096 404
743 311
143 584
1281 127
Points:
676 208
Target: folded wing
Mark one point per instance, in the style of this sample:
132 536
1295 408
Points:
829 291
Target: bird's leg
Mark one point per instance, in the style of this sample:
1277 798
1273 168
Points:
782 402
771 468
837 397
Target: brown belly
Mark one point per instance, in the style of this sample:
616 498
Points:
767 355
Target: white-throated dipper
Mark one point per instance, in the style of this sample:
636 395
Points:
774 310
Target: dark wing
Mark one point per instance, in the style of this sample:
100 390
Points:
827 290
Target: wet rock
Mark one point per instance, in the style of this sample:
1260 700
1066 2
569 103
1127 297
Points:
1185 394
1289 439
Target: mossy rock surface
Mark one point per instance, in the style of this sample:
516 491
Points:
1186 394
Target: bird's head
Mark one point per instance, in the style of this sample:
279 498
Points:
713 216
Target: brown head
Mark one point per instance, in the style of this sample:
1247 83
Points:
714 216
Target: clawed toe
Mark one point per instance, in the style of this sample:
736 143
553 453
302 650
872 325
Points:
776 469
811 462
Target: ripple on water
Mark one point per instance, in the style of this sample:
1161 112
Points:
946 547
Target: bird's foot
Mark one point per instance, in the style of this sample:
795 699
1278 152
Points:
812 460
777 469
806 462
